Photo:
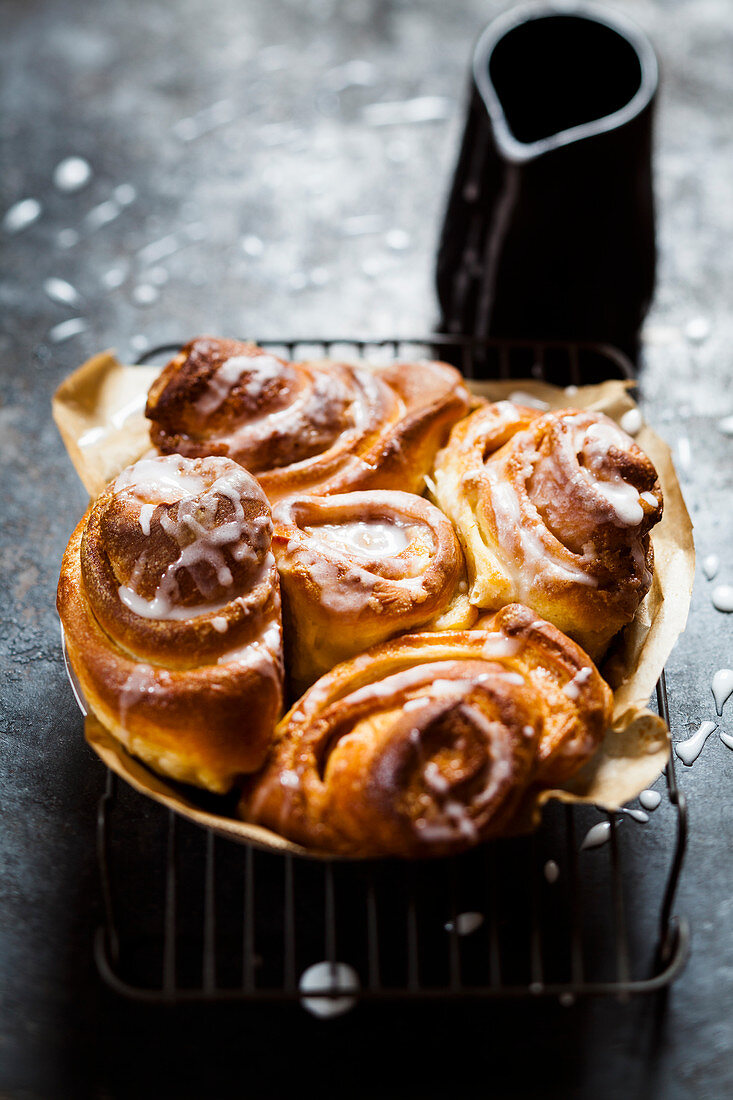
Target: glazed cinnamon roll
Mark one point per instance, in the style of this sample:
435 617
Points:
170 603
320 427
357 568
554 510
426 744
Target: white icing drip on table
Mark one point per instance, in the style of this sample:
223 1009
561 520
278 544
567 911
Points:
552 872
689 750
322 976
723 597
650 799
465 923
596 836
636 815
722 687
710 566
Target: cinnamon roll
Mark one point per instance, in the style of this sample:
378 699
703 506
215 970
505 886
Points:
554 510
320 427
170 604
357 568
426 744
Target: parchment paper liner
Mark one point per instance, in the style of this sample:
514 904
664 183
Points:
99 411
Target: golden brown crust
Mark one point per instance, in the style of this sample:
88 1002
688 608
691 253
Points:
553 509
314 427
170 604
425 745
358 568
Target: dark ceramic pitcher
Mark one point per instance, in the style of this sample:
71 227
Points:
549 231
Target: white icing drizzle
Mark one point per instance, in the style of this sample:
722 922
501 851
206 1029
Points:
650 799
689 750
301 415
146 513
139 683
170 480
504 414
160 607
163 480
529 400
347 597
650 499
622 497
434 778
722 687
572 688
452 816
726 739
405 680
499 645
220 624
431 486
370 537
510 529
254 371
262 653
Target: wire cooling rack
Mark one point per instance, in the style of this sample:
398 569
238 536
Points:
190 916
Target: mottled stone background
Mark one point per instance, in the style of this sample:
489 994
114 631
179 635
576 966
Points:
247 178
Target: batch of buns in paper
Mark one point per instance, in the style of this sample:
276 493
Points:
364 599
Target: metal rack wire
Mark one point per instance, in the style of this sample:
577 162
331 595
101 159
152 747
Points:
192 917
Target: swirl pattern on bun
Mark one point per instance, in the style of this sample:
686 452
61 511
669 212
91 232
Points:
170 603
553 510
358 568
313 427
426 744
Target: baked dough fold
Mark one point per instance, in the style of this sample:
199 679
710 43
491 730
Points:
311 427
358 568
554 511
427 744
170 604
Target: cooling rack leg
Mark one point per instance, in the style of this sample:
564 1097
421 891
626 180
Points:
672 933
106 803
